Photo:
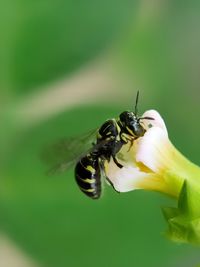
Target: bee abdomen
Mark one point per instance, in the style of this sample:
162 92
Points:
87 174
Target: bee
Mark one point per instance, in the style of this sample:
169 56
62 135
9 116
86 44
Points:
104 144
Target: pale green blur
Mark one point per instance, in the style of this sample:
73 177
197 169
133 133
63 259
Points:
65 67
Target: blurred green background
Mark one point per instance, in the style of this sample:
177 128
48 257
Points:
67 66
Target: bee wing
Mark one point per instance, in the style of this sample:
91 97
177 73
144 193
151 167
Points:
63 154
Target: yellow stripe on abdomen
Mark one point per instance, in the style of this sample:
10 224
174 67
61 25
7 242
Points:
90 169
91 190
89 181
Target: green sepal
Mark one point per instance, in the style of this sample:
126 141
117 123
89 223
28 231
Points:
183 223
170 213
183 205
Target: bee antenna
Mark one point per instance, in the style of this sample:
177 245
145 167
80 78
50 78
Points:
136 103
146 118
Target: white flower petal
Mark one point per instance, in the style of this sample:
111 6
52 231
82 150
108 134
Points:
126 178
153 149
157 122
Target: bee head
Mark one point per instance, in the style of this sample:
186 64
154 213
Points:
130 122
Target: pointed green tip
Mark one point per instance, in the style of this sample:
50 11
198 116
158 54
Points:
183 225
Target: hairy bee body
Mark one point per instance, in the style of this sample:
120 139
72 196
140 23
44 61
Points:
89 169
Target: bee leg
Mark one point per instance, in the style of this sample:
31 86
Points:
101 164
126 139
117 163
111 183
131 143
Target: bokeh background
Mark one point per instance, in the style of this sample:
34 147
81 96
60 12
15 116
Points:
65 67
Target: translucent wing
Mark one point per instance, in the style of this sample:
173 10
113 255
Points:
63 154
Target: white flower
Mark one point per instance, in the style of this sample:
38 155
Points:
153 163
150 162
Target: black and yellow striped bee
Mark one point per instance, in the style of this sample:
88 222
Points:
104 144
